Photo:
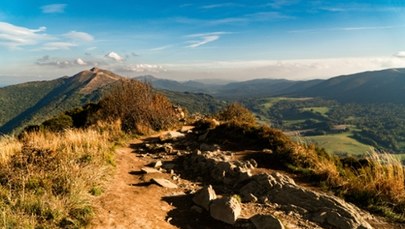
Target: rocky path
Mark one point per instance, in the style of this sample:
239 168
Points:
133 198
129 202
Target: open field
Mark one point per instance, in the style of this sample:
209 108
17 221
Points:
319 110
339 143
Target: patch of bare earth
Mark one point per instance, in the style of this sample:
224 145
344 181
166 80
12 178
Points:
130 201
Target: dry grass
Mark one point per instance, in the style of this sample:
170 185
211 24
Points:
8 147
377 183
47 179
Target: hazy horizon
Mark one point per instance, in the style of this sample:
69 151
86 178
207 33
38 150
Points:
181 40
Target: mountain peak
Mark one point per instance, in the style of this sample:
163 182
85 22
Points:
96 78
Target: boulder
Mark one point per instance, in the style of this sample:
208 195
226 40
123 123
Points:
204 197
225 209
266 222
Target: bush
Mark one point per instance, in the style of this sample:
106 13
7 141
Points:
58 123
138 106
236 112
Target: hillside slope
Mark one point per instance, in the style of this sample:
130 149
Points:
386 86
34 102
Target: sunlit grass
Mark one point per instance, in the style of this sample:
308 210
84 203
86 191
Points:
47 180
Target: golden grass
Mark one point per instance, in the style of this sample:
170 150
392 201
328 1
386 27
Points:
47 179
384 176
8 147
378 184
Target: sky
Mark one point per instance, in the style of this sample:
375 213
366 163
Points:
184 40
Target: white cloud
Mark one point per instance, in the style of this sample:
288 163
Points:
281 3
58 45
81 36
161 48
80 62
142 68
299 69
61 63
204 38
53 8
114 56
221 5
13 36
400 54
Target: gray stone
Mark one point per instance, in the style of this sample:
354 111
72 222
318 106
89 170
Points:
326 210
266 222
164 183
169 166
207 147
186 129
158 164
197 209
204 197
149 170
226 209
171 135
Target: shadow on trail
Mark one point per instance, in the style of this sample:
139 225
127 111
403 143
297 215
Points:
182 216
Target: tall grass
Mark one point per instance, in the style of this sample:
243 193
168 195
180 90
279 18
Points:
47 179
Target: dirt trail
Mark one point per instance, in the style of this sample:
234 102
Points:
129 202
133 201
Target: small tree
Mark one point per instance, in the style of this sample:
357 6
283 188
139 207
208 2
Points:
139 107
236 112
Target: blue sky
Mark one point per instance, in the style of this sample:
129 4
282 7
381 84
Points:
237 40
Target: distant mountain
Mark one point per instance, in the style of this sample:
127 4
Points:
385 86
262 88
172 85
34 102
233 90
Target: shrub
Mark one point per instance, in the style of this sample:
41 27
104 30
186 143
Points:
236 112
139 107
58 123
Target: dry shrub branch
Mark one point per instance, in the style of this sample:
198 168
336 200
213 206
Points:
139 107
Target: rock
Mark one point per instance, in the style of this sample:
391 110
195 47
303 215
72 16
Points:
168 148
266 222
328 211
158 164
186 129
250 198
204 197
196 209
171 135
203 136
269 151
149 170
207 147
275 188
169 166
164 183
226 209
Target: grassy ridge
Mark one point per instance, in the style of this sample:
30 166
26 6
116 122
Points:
47 180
